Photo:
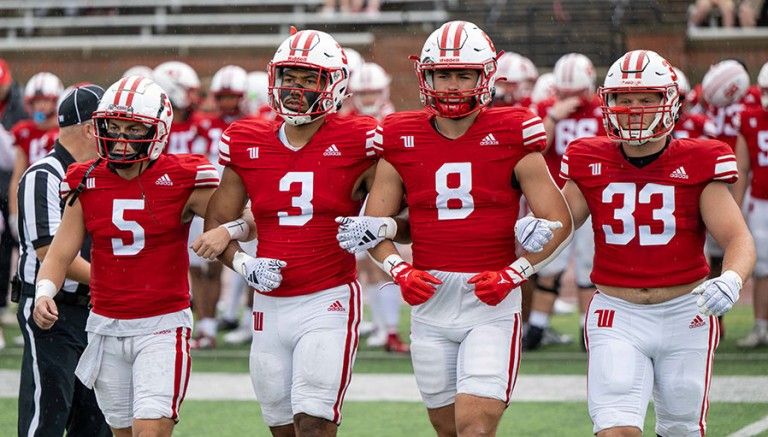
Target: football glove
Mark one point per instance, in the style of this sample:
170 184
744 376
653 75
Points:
717 295
416 286
534 233
357 234
492 287
262 274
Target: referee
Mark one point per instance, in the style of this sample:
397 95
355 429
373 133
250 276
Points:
51 399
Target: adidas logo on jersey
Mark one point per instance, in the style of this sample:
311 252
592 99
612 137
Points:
679 173
697 322
489 140
336 306
332 150
164 180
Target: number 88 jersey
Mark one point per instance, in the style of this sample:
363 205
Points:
461 194
648 227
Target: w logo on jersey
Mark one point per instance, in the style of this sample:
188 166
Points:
605 318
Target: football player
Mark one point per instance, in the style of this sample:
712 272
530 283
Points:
299 175
33 138
752 159
573 113
689 123
652 325
136 202
517 77
463 168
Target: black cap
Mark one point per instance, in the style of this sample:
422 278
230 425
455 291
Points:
78 106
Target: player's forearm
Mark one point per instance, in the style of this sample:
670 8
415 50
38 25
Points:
229 253
382 251
79 270
739 254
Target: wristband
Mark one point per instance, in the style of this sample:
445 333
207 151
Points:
237 229
390 228
523 267
45 287
391 261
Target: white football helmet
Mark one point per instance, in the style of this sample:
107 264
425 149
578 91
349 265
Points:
762 82
457 45
683 86
137 99
230 80
180 81
354 60
544 88
309 50
517 75
574 74
139 70
43 85
370 78
257 91
725 83
640 71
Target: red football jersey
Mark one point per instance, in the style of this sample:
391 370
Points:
648 228
693 126
33 141
139 256
210 129
185 137
296 194
462 197
726 120
586 121
754 128
525 102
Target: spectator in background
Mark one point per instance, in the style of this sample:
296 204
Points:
749 12
370 7
11 111
701 9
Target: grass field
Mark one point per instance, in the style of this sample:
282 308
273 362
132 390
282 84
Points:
233 418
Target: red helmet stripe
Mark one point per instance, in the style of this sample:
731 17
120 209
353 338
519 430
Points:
639 64
295 42
625 65
444 38
134 87
457 38
308 42
119 92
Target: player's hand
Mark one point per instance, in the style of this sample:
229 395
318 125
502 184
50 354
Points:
417 286
211 243
534 233
262 274
493 287
563 108
360 233
46 313
717 295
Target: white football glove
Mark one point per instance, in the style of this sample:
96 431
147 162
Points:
534 233
360 233
717 295
262 274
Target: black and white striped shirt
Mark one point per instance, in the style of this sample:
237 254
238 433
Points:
40 210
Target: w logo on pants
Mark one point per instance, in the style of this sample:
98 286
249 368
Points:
605 318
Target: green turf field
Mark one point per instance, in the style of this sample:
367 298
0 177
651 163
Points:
398 419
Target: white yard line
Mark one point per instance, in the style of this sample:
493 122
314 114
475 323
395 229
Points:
752 429
402 387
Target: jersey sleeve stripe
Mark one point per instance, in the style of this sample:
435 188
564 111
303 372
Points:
531 121
726 158
724 167
564 169
540 137
533 130
206 175
64 188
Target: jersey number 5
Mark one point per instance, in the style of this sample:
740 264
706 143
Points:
625 214
119 206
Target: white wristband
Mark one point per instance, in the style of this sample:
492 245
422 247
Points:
390 228
45 287
523 267
237 229
391 261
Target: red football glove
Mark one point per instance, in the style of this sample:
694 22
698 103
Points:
492 287
417 286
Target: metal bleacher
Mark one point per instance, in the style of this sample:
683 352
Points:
157 24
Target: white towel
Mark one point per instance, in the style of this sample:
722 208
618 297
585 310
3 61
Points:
90 362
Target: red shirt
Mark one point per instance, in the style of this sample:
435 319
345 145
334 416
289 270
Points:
693 126
585 121
33 141
139 257
726 120
186 137
754 128
647 222
296 195
461 194
210 129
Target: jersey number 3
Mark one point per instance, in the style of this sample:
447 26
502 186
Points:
625 214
